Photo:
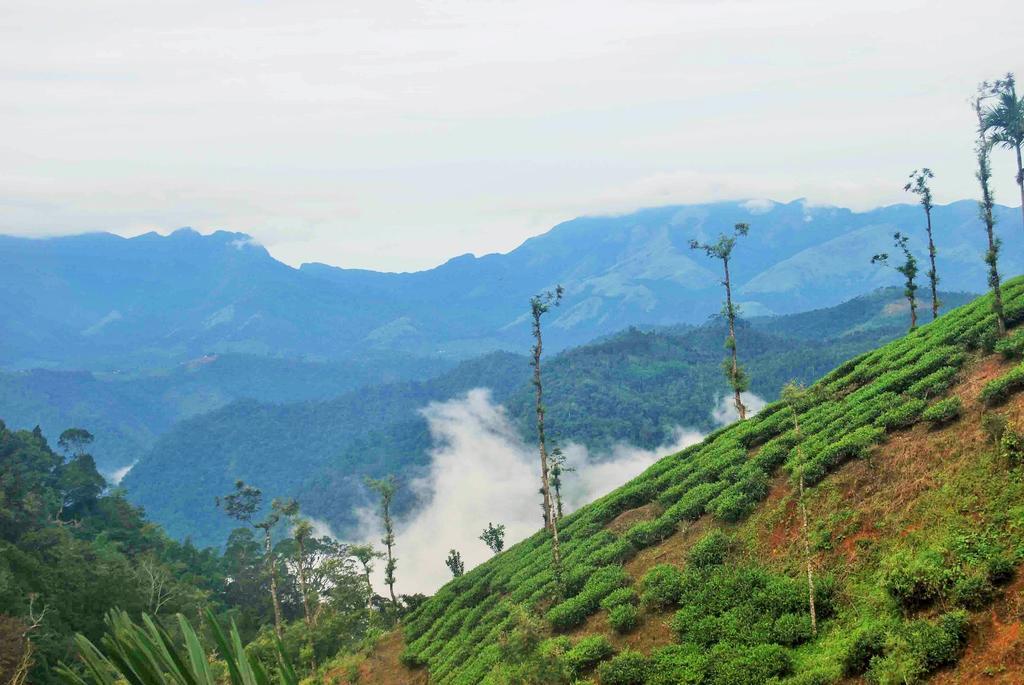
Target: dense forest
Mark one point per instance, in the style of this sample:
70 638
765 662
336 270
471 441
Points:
72 550
637 387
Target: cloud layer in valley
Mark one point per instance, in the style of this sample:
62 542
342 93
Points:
482 471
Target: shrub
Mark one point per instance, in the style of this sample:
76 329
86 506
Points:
662 586
677 665
1011 446
902 415
868 642
624 618
915 581
792 629
628 668
934 383
817 676
1012 346
973 589
998 390
994 426
1000 569
412 660
943 411
574 611
733 665
939 644
710 550
586 654
624 595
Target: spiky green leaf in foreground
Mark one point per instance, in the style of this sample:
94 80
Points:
146 655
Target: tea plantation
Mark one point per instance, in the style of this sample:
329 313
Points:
736 620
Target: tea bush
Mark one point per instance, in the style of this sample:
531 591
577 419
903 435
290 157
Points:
943 411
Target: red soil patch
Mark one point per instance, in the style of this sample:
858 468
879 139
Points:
629 518
672 550
653 631
382 666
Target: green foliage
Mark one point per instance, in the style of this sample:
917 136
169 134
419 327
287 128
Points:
662 586
913 650
623 618
999 389
902 415
624 595
575 610
943 411
1011 347
586 654
916 580
726 613
627 668
710 550
146 655
868 643
494 536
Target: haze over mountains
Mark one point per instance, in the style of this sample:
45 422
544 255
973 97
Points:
206 351
105 303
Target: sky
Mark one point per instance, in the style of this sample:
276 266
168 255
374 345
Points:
394 135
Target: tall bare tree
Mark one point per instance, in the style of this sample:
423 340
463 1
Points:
918 184
365 555
797 398
983 149
385 489
722 249
242 505
1003 122
539 306
909 270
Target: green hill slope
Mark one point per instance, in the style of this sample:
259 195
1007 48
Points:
733 607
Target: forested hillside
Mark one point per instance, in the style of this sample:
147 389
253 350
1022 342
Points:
71 551
635 387
127 412
894 484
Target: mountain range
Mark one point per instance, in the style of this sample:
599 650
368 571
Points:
120 305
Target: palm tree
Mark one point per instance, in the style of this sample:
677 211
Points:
1004 124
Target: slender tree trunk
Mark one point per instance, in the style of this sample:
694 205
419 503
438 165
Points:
389 542
549 518
913 312
731 316
306 608
992 257
272 570
807 558
803 526
933 275
541 440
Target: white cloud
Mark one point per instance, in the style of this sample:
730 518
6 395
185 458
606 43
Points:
759 206
117 475
725 411
393 134
481 471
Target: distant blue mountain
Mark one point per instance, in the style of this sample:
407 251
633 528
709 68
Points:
106 303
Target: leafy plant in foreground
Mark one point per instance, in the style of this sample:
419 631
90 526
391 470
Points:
146 655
